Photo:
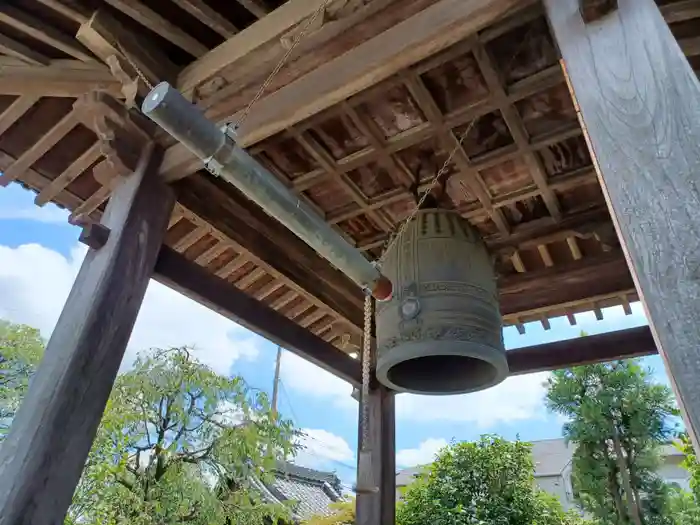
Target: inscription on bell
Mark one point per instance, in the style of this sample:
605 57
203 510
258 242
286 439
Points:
441 331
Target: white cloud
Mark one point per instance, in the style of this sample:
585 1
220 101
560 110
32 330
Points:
516 399
422 455
49 213
35 282
305 377
323 450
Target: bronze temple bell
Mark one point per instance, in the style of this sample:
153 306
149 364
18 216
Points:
441 331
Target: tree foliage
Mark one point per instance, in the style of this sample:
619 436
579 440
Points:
21 349
490 481
181 444
618 418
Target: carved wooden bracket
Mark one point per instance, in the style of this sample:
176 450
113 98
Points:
94 234
122 133
592 10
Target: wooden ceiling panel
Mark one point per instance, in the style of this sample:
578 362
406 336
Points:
523 51
507 177
457 82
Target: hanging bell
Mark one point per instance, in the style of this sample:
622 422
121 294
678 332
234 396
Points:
441 331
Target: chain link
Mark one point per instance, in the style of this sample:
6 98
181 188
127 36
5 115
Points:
136 68
404 226
366 349
281 63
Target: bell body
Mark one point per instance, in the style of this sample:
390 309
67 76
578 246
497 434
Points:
441 331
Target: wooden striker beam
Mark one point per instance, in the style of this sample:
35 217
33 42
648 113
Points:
640 109
43 457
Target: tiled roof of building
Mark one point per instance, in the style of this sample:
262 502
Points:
310 491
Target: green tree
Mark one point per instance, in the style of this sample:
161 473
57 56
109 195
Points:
343 514
618 418
490 481
21 348
180 444
690 463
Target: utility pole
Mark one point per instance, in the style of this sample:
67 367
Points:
276 381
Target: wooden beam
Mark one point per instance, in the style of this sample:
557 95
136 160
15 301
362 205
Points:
44 454
225 209
378 508
72 172
39 148
63 78
106 37
564 283
257 7
640 109
208 16
18 50
270 27
42 31
620 344
147 17
413 39
15 111
431 30
223 297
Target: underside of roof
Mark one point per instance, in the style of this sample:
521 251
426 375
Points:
375 98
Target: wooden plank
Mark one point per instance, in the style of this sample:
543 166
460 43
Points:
71 9
106 37
190 279
225 209
281 20
405 43
15 111
159 25
378 508
16 49
39 148
408 42
564 283
63 78
257 7
641 110
42 31
208 16
72 172
45 451
620 344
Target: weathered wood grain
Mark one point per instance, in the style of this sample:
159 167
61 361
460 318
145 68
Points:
379 508
44 454
640 103
620 344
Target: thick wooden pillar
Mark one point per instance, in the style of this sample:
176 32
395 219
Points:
380 508
43 457
639 102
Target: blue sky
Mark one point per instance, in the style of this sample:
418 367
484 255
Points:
40 255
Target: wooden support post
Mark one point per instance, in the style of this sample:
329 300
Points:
639 104
379 508
43 457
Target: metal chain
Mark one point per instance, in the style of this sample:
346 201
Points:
136 68
281 63
366 348
404 226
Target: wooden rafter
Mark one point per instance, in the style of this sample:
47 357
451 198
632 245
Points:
159 25
42 31
208 16
62 78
